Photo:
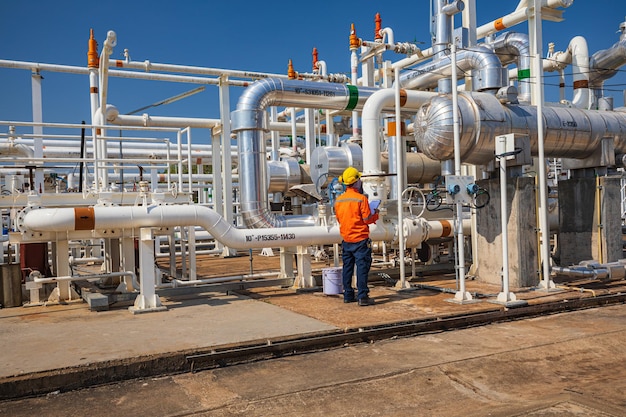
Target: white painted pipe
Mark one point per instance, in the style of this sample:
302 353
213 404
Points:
580 72
134 217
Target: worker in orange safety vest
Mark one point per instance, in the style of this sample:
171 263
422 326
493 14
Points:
353 213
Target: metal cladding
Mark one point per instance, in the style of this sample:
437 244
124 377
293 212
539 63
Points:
485 65
516 46
248 121
330 161
568 132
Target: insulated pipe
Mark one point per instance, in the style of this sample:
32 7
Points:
16 150
370 119
419 168
583 272
249 123
135 217
486 69
518 16
569 132
604 64
517 44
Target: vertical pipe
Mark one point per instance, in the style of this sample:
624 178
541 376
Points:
461 295
169 171
401 243
354 77
37 130
598 194
503 224
82 162
179 155
294 132
309 133
392 145
537 99
189 167
226 158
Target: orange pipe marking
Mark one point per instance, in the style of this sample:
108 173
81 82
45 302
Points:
499 25
403 97
446 228
581 84
391 129
84 218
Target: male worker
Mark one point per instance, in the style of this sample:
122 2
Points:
353 214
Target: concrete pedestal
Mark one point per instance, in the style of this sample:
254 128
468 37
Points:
522 235
590 222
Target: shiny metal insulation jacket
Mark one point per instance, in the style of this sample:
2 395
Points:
568 132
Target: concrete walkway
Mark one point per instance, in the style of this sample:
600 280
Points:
568 364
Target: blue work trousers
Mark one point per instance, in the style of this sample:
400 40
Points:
359 254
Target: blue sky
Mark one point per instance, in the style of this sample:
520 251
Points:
254 36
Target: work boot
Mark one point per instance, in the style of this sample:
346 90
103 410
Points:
366 301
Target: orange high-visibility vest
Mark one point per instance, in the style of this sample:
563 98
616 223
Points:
353 214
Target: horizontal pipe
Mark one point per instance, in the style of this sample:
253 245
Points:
102 218
70 278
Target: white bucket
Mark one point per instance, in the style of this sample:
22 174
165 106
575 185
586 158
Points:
332 281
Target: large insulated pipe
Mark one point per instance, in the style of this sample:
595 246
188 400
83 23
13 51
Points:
249 123
484 64
569 132
370 120
605 63
517 45
101 218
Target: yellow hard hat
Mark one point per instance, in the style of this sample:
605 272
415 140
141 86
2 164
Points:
350 176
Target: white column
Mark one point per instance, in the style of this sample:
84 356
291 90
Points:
147 300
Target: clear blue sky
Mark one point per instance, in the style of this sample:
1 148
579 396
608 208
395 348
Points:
254 36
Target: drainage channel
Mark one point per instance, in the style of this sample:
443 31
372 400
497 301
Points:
299 345
193 360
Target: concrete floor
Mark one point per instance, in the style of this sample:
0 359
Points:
525 361
568 364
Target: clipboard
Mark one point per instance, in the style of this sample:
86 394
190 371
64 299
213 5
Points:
374 205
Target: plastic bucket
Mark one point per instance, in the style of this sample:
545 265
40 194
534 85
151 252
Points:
332 281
